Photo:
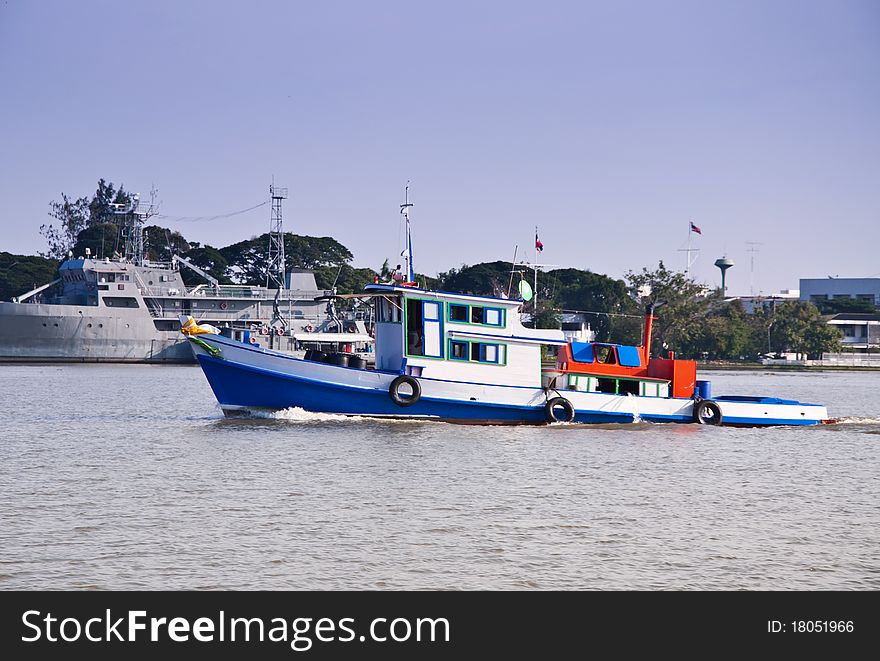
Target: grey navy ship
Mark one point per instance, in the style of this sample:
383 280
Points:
127 309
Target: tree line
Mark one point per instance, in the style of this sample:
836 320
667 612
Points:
692 321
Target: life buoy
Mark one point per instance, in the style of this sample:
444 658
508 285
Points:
403 400
555 403
707 412
351 329
264 330
308 328
279 331
253 340
223 305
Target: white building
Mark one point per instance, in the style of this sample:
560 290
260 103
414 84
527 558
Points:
751 304
861 331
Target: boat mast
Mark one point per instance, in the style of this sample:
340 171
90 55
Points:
407 251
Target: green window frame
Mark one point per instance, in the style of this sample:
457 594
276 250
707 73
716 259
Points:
477 352
458 350
425 321
476 315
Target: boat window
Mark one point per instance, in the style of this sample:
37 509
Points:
414 331
604 354
389 310
627 387
489 353
432 329
458 350
476 314
120 302
493 317
431 311
477 352
458 313
606 385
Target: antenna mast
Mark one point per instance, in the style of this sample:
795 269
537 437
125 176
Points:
754 250
275 266
407 251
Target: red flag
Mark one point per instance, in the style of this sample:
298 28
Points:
696 229
538 245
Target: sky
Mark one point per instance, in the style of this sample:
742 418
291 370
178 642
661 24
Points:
608 125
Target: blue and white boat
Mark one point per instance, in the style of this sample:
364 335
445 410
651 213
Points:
469 359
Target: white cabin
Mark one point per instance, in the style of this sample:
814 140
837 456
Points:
457 337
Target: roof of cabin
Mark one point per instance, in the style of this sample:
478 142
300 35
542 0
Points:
383 288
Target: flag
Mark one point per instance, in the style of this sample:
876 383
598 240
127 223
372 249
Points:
538 245
696 229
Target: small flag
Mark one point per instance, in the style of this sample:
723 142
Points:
696 229
538 245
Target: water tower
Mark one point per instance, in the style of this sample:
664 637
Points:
723 263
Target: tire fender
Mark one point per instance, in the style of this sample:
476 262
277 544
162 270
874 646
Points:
559 402
707 412
402 400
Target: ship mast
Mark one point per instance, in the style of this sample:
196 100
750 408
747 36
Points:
407 251
131 220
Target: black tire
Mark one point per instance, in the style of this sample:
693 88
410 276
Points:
707 412
559 402
402 400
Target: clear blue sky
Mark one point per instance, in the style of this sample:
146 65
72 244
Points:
609 125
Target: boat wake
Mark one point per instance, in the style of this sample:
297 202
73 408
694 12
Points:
297 415
857 420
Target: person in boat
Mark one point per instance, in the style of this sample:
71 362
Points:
396 276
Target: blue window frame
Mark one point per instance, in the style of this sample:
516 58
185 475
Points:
458 313
480 315
458 350
478 352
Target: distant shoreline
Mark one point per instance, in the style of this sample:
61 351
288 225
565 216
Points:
731 366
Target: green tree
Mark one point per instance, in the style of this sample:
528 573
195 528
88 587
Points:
160 243
101 239
545 318
72 217
838 305
484 279
209 259
346 279
21 273
608 299
75 215
681 315
247 259
727 332
100 206
799 327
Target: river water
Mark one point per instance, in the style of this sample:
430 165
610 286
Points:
129 477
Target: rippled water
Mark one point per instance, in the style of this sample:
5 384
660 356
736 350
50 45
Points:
126 477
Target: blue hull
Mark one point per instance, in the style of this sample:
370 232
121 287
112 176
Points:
243 386
237 385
